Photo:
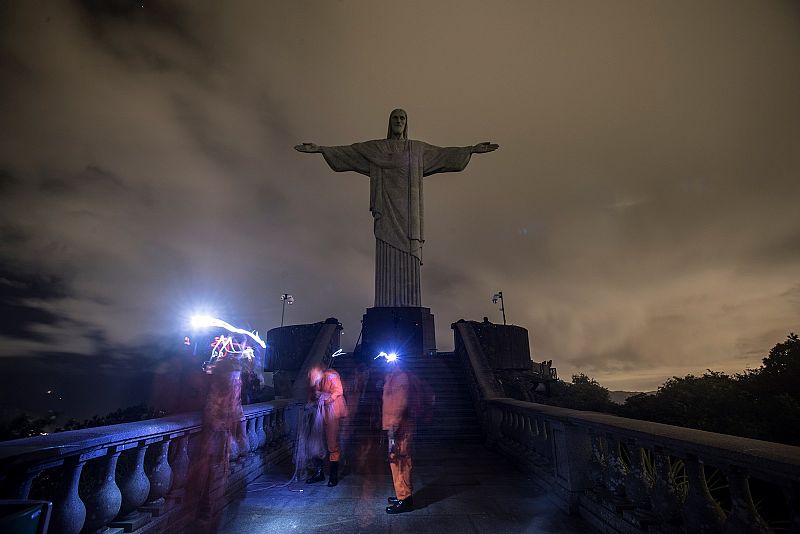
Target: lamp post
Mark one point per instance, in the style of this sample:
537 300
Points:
287 299
499 295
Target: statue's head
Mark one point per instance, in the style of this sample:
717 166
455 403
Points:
398 125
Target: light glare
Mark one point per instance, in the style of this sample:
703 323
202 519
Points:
203 321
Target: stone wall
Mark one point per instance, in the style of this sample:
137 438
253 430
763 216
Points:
505 346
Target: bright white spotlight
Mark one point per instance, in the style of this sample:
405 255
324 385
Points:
390 357
201 321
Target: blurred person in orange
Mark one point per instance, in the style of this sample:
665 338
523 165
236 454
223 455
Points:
326 396
400 426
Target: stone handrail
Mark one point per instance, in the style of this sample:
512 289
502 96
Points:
626 475
133 475
484 381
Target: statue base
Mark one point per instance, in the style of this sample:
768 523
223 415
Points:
407 331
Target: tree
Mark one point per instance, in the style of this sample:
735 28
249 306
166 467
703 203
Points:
584 393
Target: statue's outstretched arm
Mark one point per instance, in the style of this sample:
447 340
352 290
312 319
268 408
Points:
338 158
309 148
484 147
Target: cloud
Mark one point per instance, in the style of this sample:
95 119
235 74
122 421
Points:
639 216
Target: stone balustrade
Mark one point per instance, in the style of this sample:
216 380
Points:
133 476
625 475
632 475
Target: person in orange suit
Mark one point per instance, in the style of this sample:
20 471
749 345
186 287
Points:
400 425
327 391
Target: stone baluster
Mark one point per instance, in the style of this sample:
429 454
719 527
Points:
516 425
242 439
69 512
701 513
508 427
252 435
281 424
743 518
261 433
494 418
233 443
535 435
269 430
276 428
180 463
18 483
547 440
542 444
637 488
514 431
524 434
664 496
132 481
158 471
103 497
530 435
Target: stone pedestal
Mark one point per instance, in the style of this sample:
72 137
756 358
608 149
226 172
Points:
408 331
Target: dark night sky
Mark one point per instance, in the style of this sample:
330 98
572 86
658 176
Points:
640 216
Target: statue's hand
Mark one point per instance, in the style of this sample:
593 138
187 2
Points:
486 146
308 148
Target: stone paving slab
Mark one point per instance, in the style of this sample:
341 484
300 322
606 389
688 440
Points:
457 490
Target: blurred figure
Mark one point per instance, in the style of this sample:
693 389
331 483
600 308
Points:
326 400
400 426
222 414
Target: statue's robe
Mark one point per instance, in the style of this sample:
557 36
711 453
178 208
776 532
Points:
396 168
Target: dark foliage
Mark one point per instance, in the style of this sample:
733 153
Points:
761 403
140 412
26 426
584 393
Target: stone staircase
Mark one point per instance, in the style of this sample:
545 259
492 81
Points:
453 419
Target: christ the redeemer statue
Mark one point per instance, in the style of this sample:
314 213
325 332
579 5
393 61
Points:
396 166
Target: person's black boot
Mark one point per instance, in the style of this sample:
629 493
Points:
392 500
333 479
318 475
406 505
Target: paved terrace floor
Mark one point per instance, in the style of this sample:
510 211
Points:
458 489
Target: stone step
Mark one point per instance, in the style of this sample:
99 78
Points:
453 419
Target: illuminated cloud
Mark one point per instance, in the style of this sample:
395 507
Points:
640 216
